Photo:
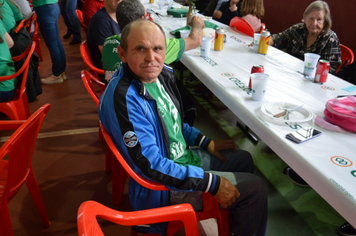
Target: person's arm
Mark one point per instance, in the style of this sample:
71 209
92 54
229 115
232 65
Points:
281 40
227 193
331 52
196 33
9 41
218 11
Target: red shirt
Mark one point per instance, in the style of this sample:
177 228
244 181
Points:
90 7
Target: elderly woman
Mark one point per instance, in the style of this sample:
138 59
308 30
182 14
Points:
313 35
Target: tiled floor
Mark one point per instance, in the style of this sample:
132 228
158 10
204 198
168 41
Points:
69 163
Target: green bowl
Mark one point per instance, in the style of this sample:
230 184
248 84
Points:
177 12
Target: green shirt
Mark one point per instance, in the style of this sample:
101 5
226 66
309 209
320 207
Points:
8 17
15 11
111 60
177 145
6 63
38 3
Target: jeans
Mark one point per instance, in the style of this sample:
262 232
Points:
47 18
70 19
248 214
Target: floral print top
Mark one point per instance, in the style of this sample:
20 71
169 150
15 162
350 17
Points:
294 41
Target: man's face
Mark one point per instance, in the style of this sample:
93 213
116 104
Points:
146 50
112 4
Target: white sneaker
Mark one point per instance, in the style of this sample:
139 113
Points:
64 75
52 79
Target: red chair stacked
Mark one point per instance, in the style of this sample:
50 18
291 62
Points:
16 169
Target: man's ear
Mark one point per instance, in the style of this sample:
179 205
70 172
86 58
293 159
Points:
121 53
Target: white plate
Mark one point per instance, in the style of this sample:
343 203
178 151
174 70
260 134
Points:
298 116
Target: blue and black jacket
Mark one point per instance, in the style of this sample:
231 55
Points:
131 117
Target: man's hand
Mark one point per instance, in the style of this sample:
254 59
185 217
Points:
196 23
217 14
196 33
227 193
215 146
233 8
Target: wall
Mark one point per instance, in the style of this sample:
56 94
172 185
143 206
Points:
281 14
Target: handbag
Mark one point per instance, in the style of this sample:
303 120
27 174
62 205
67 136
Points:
342 112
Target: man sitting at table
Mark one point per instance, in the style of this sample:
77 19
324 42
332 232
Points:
131 10
141 111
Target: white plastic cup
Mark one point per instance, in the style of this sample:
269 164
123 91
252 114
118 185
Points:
184 33
259 85
161 4
205 47
310 63
256 41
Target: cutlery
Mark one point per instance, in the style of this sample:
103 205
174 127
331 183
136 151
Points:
286 112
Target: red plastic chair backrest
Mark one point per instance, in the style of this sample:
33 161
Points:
19 149
139 179
210 205
24 68
79 15
90 210
89 80
239 24
20 25
84 52
347 56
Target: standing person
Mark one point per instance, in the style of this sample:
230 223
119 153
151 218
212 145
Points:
8 87
47 18
70 19
227 11
90 7
253 11
313 35
142 111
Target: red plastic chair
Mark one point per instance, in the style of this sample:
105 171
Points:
79 15
90 210
84 52
17 108
89 80
347 57
120 166
263 27
16 166
239 24
33 21
20 25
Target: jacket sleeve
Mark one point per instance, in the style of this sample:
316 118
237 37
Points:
151 159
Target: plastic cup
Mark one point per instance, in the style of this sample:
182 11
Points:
205 47
161 4
256 41
184 33
310 63
259 85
